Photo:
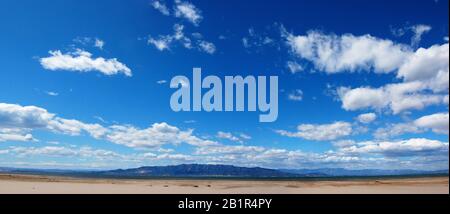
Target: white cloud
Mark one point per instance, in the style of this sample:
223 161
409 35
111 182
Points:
410 147
236 138
333 54
52 93
422 153
188 11
207 47
154 136
360 98
228 150
429 66
418 31
397 97
161 82
179 36
245 42
23 117
164 42
90 41
245 136
161 7
421 71
229 136
197 35
296 95
60 151
367 118
82 61
53 142
343 143
47 151
392 130
15 135
99 43
294 67
28 118
438 123
257 40
322 132
83 40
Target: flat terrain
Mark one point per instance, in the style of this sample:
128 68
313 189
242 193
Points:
18 184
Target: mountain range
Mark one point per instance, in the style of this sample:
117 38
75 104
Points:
218 171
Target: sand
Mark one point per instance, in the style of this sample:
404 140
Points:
34 184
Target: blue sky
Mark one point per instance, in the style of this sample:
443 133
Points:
362 84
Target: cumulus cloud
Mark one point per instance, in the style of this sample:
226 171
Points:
397 129
430 66
367 118
23 117
82 61
22 120
28 118
321 132
161 7
397 97
437 123
364 97
15 135
350 155
424 72
333 53
154 136
410 147
188 11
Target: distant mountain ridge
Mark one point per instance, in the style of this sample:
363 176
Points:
225 171
338 172
198 170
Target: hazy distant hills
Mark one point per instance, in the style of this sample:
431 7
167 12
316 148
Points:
197 170
339 172
206 170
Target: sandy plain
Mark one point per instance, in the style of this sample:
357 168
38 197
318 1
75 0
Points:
37 184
